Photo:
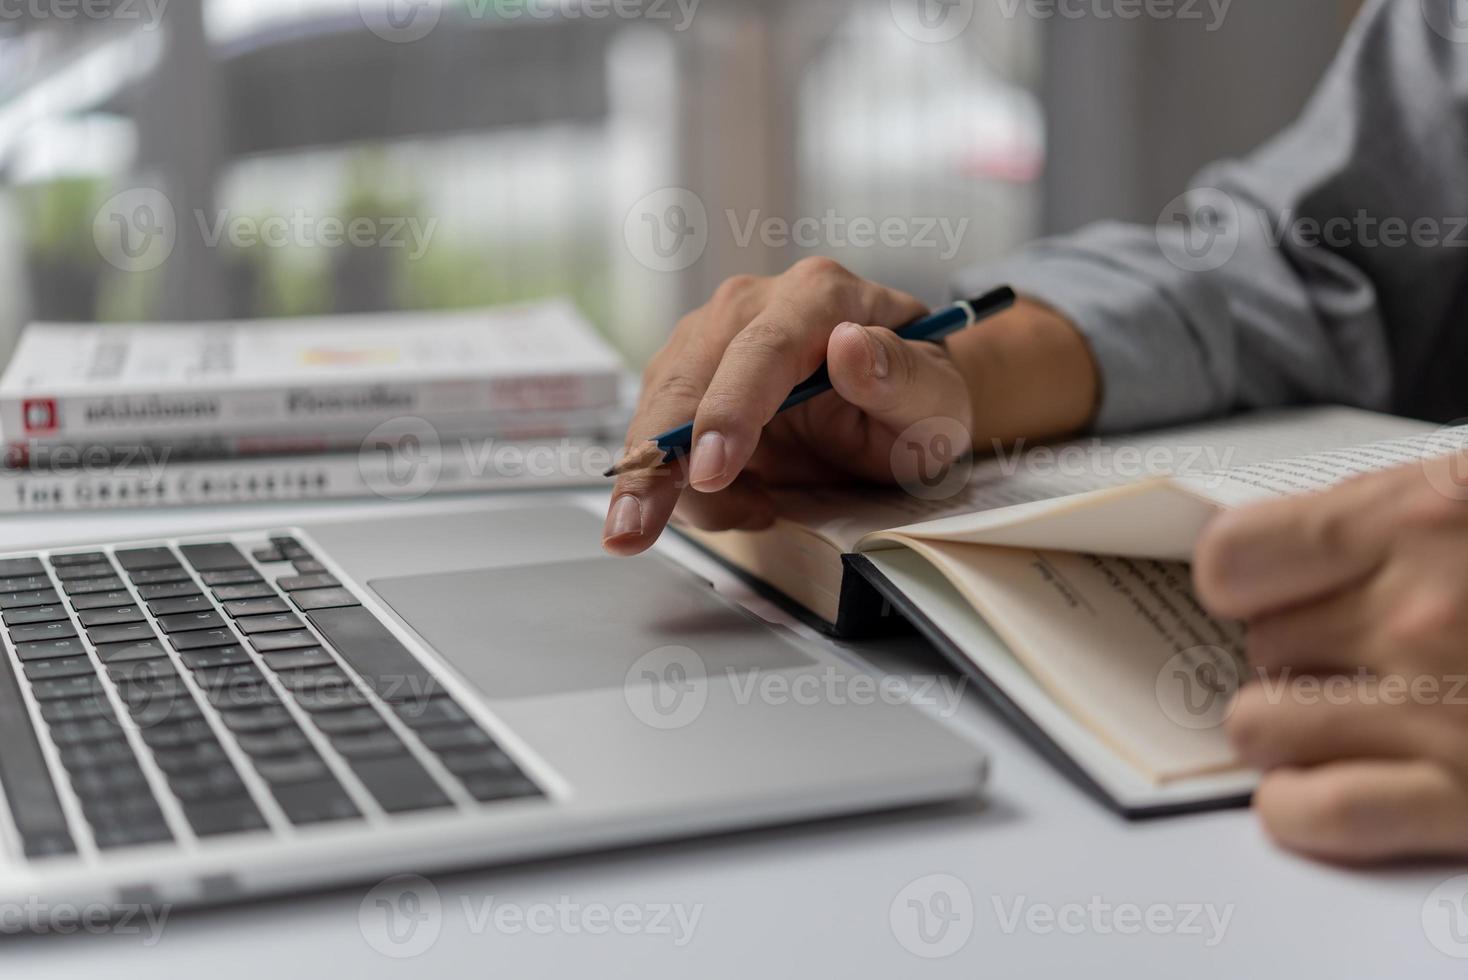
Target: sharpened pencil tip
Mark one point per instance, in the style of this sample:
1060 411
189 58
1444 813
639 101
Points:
645 457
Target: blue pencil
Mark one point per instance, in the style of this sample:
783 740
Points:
932 328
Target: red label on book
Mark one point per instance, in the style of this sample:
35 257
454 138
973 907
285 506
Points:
41 417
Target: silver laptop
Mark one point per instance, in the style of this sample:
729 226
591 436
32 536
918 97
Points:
207 719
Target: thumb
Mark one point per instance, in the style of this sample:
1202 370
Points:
897 382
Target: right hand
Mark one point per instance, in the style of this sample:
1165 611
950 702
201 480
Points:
731 363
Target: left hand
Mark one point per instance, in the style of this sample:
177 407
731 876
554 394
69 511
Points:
1356 602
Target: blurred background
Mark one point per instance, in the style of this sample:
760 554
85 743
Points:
205 159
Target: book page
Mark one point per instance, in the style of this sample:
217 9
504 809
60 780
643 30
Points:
1026 474
1122 645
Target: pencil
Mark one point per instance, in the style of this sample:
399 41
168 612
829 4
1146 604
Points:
932 328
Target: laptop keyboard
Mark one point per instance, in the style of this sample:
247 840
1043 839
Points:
203 660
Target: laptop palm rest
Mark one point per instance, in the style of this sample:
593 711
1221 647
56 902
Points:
527 631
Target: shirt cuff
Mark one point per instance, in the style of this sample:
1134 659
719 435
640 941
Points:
1156 368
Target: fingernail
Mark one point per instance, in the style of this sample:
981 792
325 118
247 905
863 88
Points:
710 458
624 519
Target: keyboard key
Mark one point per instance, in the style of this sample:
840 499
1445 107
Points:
202 787
191 758
352 721
252 590
110 616
40 670
487 789
178 734
91 586
21 566
66 687
314 678
35 614
263 719
214 657
290 547
97 755
121 633
242 696
149 708
303 768
239 674
288 640
284 741
273 623
296 583
78 732
187 622
383 662
315 802
298 659
123 811
266 556
368 745
214 557
239 576
257 607
102 600
22 600
493 763
323 599
25 583
198 602
41 631
399 784
71 573
137 650
161 576
309 566
34 805
142 672
141 559
76 709
132 835
104 784
454 739
318 700
426 713
70 646
224 817
79 558
201 639
167 590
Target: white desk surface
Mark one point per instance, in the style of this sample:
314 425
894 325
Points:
817 900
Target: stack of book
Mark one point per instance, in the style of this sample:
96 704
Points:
136 414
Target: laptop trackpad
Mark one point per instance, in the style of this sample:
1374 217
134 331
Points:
578 625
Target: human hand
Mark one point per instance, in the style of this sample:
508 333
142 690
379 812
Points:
731 363
1356 602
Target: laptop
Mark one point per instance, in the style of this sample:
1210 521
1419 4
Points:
205 719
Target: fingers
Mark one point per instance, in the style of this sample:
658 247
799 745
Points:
1332 633
1368 810
1308 720
779 349
1275 555
895 381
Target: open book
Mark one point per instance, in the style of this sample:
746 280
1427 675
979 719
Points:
1057 580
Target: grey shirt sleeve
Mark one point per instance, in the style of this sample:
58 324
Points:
1328 266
